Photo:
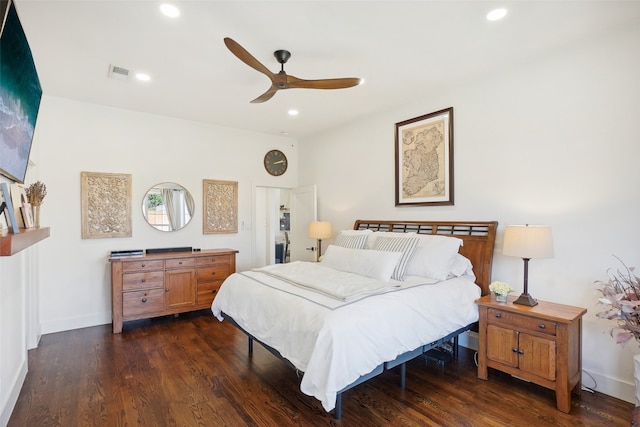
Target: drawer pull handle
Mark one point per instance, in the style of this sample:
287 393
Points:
520 352
180 262
213 291
541 326
143 265
144 300
498 315
213 274
515 350
143 280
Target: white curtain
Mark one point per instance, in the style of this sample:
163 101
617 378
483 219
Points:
170 208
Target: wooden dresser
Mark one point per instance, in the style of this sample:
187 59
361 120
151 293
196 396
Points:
541 344
167 283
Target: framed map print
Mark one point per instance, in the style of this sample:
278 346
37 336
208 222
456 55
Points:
424 160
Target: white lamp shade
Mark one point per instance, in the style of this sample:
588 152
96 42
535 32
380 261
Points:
528 241
319 229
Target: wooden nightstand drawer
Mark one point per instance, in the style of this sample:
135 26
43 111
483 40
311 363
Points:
139 302
530 323
214 259
217 272
180 263
151 279
142 265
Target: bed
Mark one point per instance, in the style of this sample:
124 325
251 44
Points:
385 293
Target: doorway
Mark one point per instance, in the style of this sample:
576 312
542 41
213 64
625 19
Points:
281 219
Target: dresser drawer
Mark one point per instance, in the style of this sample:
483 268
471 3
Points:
213 260
140 302
134 281
522 322
142 265
207 292
179 263
216 272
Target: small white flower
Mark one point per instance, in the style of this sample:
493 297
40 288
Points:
500 288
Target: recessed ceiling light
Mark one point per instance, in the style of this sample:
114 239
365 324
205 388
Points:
293 112
169 10
497 14
143 77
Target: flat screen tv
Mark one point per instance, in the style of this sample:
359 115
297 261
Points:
20 94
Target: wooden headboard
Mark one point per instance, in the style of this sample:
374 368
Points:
479 239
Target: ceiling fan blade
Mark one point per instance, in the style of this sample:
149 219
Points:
246 57
343 83
267 95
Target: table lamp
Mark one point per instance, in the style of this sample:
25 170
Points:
319 230
527 242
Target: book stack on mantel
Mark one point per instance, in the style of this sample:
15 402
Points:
127 254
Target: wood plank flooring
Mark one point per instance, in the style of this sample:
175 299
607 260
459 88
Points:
195 371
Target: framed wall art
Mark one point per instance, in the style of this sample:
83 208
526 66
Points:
220 207
424 160
106 205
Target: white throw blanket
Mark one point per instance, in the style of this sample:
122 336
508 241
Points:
327 281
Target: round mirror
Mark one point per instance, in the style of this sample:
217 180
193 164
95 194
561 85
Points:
167 206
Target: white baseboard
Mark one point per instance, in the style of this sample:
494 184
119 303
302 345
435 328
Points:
617 388
12 397
70 323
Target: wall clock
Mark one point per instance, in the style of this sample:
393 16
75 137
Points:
275 162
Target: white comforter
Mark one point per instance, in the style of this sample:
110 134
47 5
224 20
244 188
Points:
335 342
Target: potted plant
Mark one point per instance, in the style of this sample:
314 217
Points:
620 301
500 290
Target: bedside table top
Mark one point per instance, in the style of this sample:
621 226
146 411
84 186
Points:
544 309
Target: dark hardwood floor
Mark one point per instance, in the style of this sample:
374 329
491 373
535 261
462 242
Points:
195 371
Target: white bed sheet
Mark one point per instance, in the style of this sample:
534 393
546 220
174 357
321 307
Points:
333 342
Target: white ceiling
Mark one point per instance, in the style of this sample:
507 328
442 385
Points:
403 49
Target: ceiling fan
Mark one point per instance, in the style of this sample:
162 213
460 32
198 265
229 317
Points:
282 80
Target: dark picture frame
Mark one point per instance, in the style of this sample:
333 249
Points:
424 160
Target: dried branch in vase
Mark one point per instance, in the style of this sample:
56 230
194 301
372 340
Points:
36 193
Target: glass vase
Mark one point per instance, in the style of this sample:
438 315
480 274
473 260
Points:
35 210
501 297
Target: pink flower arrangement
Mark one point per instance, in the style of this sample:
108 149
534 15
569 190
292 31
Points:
621 302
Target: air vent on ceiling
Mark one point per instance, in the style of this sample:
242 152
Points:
118 73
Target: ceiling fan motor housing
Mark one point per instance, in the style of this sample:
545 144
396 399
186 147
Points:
282 56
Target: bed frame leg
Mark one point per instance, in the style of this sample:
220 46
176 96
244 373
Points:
403 375
250 345
455 347
337 414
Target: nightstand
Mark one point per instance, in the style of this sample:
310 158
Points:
541 344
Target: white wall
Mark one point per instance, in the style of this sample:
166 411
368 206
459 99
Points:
553 141
74 137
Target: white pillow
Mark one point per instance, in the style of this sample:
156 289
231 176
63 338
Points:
365 262
348 239
366 231
405 245
461 266
371 240
434 256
